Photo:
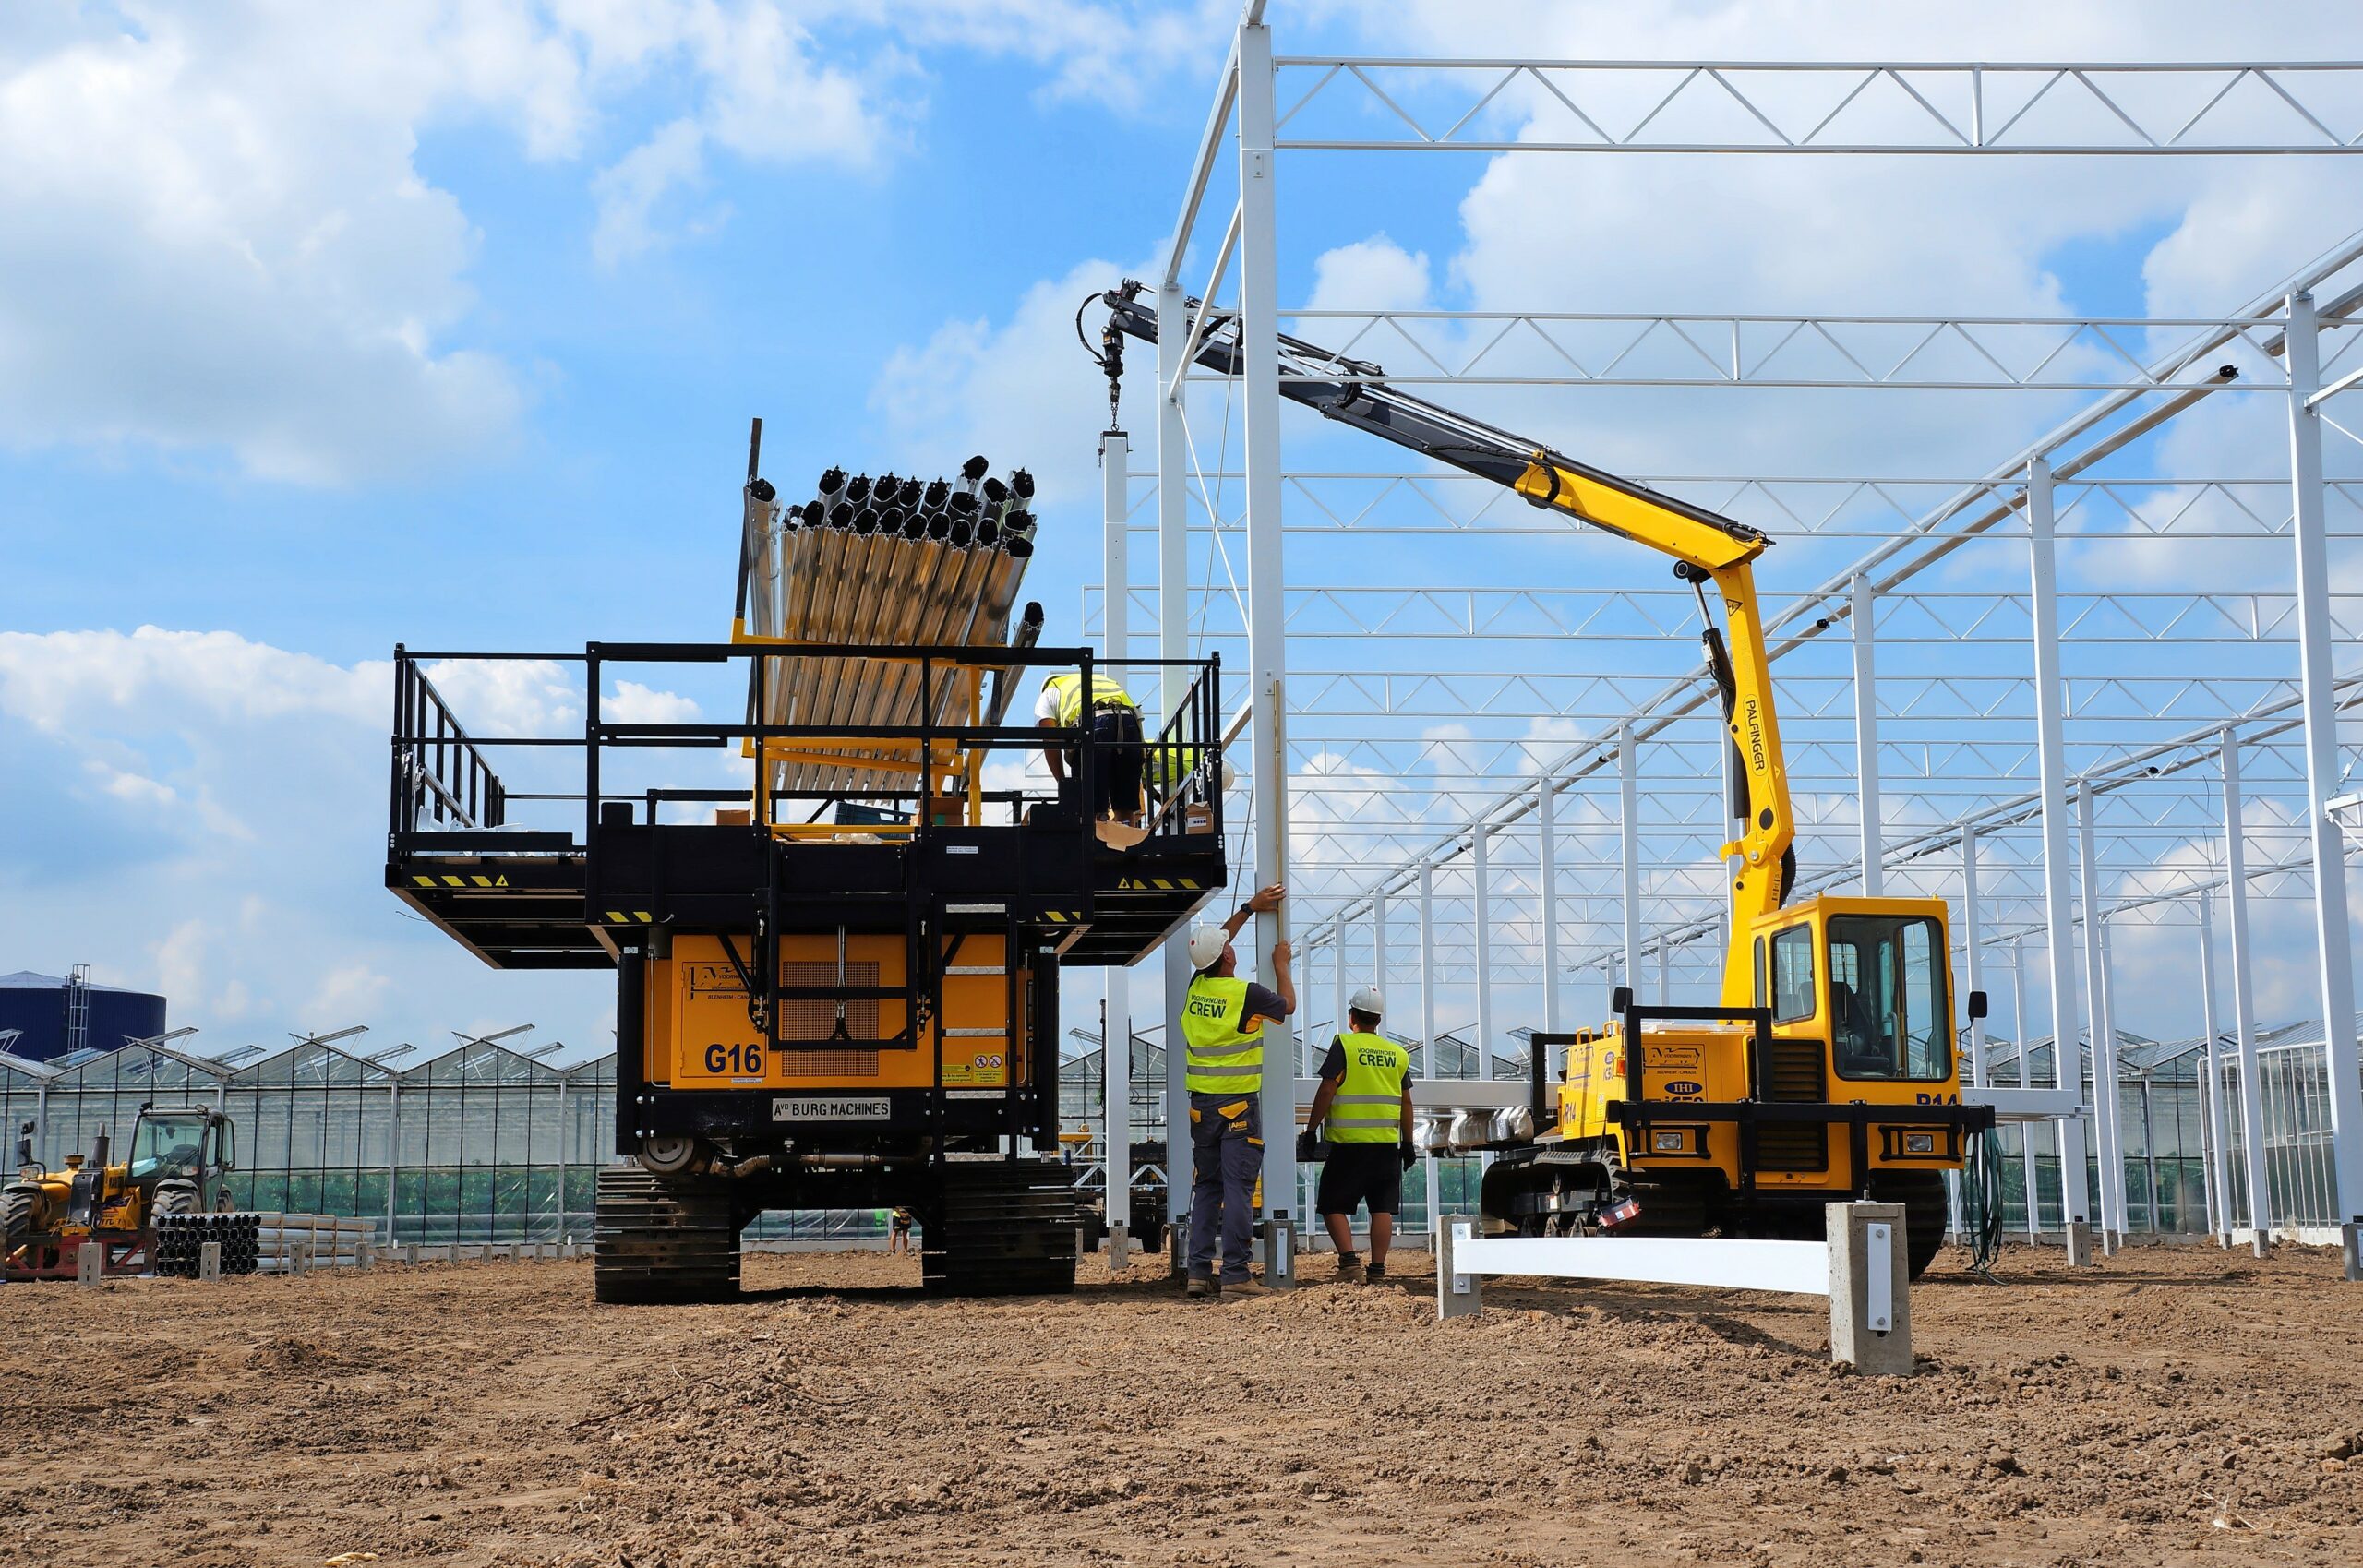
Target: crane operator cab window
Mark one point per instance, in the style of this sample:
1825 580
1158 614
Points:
1888 1014
168 1146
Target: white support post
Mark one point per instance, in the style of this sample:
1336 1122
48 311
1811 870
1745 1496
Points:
2030 1170
1867 736
1973 963
1428 1038
2096 1023
1338 1010
2051 767
2316 632
1546 876
1629 805
1266 611
1116 1035
1482 913
2236 911
1378 970
2214 1129
1665 971
1174 643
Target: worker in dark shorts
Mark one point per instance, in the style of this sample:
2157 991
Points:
900 1241
1365 1100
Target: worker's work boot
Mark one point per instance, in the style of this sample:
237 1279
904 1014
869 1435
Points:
1200 1285
1246 1287
1350 1270
1375 1275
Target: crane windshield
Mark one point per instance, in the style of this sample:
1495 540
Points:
1888 1014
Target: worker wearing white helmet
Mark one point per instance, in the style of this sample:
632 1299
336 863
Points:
1222 1028
1365 1099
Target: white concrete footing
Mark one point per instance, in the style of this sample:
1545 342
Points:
208 1260
1458 1295
2350 1244
2079 1243
1279 1254
1177 1246
1119 1248
89 1263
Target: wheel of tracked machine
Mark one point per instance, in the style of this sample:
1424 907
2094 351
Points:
173 1198
658 1239
1922 1193
1004 1227
19 1209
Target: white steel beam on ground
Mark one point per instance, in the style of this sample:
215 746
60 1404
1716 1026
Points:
1866 732
1546 876
2236 914
2097 1024
1116 1025
1266 610
2333 940
1173 643
2051 748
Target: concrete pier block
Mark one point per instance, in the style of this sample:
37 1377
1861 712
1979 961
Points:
1870 1300
1120 1247
1279 1254
1458 1295
89 1263
208 1260
2079 1243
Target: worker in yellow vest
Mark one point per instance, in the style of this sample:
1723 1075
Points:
1115 724
1365 1099
1222 1029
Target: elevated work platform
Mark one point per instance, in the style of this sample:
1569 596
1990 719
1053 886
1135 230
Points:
563 879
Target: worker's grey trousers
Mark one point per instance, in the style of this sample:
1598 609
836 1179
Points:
1228 1153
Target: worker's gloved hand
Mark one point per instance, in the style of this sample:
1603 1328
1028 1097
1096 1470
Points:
1411 1153
1308 1146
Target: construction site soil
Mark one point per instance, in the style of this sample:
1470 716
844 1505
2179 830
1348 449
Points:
2174 1405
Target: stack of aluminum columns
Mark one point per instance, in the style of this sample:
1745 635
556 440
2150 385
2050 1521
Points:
883 560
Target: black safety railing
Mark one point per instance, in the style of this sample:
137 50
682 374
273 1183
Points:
440 777
1182 766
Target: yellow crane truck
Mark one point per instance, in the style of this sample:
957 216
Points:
1827 1068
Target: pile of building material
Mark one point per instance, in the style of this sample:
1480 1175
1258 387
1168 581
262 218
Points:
884 561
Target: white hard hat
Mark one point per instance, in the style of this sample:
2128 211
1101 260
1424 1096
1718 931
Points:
1206 946
1368 1002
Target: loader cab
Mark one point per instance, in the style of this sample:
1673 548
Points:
192 1144
1870 976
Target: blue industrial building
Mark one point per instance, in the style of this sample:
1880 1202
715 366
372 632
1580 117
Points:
54 1015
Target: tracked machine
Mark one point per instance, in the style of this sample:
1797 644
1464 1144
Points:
1827 1070
837 984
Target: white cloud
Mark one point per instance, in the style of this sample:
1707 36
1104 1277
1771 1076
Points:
258 161
1371 274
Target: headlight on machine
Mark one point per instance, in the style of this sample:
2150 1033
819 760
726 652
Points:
1919 1142
1669 1142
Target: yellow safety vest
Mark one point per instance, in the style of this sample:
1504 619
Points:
1225 1059
1070 690
1368 1106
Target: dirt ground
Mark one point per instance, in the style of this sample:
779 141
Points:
2173 1406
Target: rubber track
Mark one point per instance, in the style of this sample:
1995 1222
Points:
1007 1228
655 1240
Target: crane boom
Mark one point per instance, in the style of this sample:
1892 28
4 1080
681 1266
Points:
1705 546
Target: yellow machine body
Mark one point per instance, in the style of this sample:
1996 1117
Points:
700 1034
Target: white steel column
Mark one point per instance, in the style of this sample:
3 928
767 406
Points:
2031 1173
1174 643
1428 1033
1116 1033
1482 913
1974 965
2217 1147
1266 614
2096 1023
1338 996
2235 910
1867 738
2316 631
1629 805
1546 873
2051 767
1378 970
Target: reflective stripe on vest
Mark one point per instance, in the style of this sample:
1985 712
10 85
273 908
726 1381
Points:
1223 1059
1368 1106
1069 689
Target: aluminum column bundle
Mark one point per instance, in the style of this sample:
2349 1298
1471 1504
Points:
889 560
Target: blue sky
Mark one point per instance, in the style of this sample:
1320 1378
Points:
328 327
